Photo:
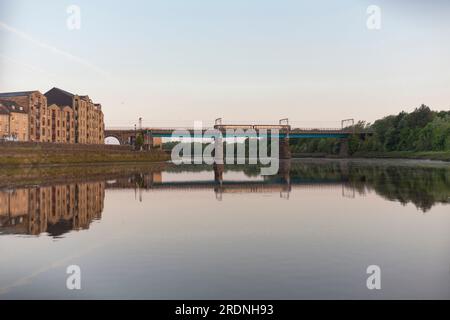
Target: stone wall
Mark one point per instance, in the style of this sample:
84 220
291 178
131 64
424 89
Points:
10 145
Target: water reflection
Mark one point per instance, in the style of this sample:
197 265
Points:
422 183
59 208
53 209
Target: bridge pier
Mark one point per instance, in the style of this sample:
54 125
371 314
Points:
218 151
218 173
218 161
284 149
345 170
284 171
344 148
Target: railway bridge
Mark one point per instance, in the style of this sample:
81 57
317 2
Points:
153 135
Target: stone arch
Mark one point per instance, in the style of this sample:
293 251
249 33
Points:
115 136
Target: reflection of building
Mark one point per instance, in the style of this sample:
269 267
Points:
55 209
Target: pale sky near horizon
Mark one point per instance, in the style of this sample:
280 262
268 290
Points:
175 61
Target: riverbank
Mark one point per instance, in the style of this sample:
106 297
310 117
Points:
37 154
49 174
425 155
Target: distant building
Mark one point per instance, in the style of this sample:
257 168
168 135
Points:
88 117
98 122
14 124
4 121
58 116
62 124
34 104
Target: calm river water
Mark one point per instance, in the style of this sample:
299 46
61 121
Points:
198 232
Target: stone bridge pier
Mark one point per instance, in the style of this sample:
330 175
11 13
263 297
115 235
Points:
344 148
125 137
284 148
128 137
284 171
218 161
218 173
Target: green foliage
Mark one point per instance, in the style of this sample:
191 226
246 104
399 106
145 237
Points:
420 130
139 141
330 146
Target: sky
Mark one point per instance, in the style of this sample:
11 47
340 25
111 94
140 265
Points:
172 62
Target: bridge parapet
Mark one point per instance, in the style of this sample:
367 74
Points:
280 127
127 135
327 130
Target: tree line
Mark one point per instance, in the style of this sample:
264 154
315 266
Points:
420 130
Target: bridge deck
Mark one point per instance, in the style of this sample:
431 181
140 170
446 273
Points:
246 130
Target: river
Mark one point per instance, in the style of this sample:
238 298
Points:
198 232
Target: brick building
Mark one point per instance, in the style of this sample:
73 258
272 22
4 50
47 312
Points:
62 124
13 121
58 116
88 117
34 104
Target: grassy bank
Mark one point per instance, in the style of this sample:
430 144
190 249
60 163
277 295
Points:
38 155
49 174
45 158
424 155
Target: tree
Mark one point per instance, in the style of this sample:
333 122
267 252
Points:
139 141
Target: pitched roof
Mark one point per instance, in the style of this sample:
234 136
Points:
59 97
15 94
11 106
85 98
62 91
3 109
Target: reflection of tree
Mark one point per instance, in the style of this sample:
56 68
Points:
252 170
424 186
249 170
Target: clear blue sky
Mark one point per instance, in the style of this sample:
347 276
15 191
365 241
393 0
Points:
191 60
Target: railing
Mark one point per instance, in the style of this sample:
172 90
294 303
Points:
322 129
154 129
244 127
229 126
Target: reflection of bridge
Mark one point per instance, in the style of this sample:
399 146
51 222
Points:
227 186
150 134
282 183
